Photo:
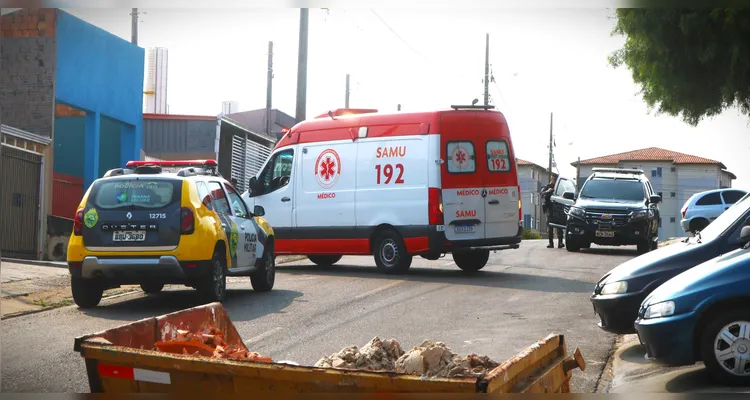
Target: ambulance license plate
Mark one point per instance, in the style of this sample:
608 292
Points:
605 234
464 229
128 236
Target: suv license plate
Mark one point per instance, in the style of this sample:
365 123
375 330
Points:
605 234
464 228
128 236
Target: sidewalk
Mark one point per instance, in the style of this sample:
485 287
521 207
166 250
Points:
630 372
33 286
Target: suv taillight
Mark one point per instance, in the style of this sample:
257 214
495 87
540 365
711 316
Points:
78 223
187 221
435 206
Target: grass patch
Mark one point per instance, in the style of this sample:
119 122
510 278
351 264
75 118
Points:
52 304
530 235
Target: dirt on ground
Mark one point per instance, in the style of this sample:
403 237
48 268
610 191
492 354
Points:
431 359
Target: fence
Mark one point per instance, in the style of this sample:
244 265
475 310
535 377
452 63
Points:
67 192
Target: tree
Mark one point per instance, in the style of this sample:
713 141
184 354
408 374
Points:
688 63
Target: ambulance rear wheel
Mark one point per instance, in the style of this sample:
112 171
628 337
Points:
390 253
324 261
472 261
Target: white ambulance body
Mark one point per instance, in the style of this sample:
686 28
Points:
358 182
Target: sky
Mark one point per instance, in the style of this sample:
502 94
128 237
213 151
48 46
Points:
543 61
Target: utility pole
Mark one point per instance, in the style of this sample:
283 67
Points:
578 174
550 146
302 65
134 26
399 107
487 71
346 103
269 88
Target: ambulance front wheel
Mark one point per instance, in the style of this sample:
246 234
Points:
471 261
324 261
390 253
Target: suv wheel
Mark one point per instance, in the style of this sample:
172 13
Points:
390 253
151 288
698 224
324 261
87 293
573 245
214 288
265 276
724 349
645 246
471 261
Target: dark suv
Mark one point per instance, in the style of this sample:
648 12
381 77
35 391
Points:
615 207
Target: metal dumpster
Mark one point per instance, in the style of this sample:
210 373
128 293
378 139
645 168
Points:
121 360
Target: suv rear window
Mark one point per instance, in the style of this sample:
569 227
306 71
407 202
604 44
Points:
613 189
461 157
135 193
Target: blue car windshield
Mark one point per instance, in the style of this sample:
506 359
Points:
726 219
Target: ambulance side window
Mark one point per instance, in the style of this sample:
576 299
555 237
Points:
277 172
498 156
461 157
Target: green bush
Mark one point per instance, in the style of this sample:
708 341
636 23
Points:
530 235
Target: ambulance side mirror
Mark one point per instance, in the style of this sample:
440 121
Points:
259 211
569 196
252 185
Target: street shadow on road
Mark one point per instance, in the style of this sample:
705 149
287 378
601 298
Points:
484 278
635 354
242 305
611 251
697 381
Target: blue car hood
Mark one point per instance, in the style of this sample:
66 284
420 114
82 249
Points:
659 260
731 268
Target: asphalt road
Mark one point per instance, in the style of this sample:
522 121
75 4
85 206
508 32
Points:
520 297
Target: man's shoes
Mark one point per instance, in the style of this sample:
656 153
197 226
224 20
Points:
550 246
560 246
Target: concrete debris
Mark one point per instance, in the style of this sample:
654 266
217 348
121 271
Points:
431 359
377 355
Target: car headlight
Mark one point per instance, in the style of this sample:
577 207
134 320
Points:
577 212
658 310
640 214
615 288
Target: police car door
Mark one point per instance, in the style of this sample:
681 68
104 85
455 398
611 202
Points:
247 240
560 205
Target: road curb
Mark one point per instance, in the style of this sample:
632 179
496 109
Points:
29 312
607 376
54 264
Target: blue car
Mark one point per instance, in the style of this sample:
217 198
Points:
619 293
703 314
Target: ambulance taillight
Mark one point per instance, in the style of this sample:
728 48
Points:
435 206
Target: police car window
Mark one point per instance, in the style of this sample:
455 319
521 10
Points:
220 202
461 158
204 195
564 186
498 156
135 193
277 171
238 206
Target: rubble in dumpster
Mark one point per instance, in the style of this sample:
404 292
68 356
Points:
208 343
431 359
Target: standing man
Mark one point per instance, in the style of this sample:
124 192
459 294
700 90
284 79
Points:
547 208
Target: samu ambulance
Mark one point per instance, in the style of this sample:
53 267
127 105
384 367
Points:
360 182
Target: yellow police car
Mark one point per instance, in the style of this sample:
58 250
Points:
150 226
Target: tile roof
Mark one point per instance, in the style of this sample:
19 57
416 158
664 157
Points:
650 154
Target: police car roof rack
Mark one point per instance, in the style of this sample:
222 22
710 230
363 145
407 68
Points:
619 171
118 172
193 171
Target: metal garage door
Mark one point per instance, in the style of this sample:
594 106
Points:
247 159
20 174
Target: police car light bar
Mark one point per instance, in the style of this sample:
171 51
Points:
181 163
619 170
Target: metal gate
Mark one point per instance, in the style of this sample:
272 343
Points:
20 175
248 158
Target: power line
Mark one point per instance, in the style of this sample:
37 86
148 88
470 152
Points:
399 37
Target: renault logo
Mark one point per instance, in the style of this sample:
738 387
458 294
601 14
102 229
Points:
129 215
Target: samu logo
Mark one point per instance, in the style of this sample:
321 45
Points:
328 168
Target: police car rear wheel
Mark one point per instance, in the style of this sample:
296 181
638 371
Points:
324 261
87 293
472 261
390 253
264 278
214 289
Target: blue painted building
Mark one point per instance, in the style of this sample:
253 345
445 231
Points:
79 86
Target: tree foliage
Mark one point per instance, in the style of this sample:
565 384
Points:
688 63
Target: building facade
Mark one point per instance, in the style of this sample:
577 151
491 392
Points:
79 86
675 177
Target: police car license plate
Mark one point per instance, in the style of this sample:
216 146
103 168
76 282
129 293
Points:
464 228
605 234
128 236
